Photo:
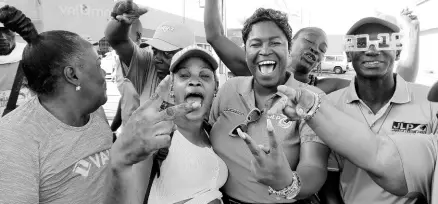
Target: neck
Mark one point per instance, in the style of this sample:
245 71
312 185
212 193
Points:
65 110
192 130
262 91
375 93
302 77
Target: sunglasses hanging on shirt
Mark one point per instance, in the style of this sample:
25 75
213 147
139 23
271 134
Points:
384 41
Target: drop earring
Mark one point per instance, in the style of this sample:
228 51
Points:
78 88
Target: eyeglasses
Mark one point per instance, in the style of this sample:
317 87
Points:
253 115
385 41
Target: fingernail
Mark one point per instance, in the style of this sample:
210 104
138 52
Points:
269 125
240 133
196 104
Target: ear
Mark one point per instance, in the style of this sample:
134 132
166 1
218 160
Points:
71 75
349 57
397 55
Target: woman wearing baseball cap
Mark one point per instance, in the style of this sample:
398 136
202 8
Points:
192 172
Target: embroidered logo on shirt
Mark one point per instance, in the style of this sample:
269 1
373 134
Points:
234 111
409 127
283 121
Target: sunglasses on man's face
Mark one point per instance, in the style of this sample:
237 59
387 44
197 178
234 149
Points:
384 41
253 116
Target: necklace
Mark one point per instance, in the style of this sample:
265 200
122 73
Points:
370 126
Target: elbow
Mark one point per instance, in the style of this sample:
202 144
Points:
213 37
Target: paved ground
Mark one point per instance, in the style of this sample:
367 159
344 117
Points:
114 95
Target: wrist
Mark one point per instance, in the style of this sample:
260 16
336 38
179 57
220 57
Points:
284 181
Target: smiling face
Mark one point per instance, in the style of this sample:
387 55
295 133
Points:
195 81
308 49
267 54
373 63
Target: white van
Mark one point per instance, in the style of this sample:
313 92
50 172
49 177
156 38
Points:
336 63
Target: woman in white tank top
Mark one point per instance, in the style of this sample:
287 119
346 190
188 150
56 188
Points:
192 173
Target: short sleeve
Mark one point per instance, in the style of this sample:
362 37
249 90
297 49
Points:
418 154
217 106
141 62
307 134
19 169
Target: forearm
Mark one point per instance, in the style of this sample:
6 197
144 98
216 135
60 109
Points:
128 185
118 186
346 136
117 32
312 179
408 64
212 20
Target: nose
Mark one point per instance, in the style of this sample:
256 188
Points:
266 50
194 82
314 51
372 51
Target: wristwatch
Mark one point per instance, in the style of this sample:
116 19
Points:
312 111
290 192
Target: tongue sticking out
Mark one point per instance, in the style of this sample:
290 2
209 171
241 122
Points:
196 100
267 69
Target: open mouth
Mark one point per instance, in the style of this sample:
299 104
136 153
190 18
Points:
195 98
267 67
309 57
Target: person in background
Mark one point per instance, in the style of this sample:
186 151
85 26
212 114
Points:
10 56
145 68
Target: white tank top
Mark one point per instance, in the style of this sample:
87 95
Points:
189 172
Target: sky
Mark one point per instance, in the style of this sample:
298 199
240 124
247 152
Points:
333 16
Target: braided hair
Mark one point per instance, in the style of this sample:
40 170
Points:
46 54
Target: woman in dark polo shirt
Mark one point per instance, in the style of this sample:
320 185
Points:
294 169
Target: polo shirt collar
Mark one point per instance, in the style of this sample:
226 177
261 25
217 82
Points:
246 88
401 94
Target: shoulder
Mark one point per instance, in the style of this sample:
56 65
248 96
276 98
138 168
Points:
329 85
236 82
338 95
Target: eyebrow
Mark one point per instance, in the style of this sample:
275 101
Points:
271 38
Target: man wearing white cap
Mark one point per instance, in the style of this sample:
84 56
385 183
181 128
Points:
146 68
10 56
377 104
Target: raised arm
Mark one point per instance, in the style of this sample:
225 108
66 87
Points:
117 31
232 55
409 59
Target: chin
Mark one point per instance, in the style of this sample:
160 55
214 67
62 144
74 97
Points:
268 81
196 115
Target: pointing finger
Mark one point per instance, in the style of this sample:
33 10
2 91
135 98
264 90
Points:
271 134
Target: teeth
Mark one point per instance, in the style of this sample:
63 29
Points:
372 63
266 62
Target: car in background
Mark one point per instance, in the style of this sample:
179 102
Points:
335 63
